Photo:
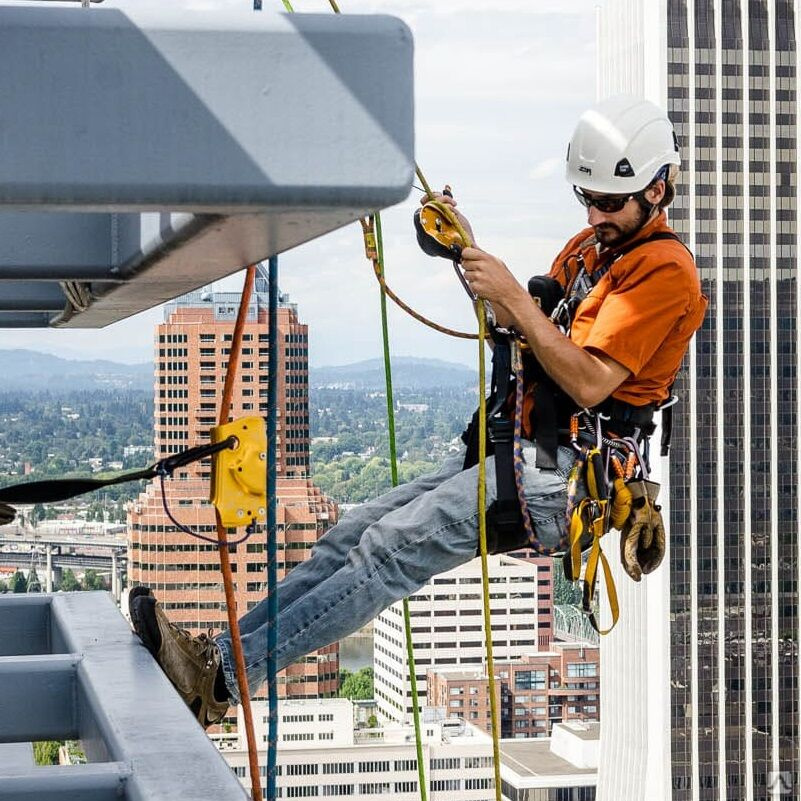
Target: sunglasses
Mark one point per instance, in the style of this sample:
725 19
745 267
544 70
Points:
606 204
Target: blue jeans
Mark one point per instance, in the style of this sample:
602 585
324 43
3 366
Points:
383 551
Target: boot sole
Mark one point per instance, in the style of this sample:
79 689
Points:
141 607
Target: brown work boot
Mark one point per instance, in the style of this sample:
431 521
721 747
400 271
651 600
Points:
190 663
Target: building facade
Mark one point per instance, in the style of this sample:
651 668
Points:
447 628
322 755
192 347
533 693
726 70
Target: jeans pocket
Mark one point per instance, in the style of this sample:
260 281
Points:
552 530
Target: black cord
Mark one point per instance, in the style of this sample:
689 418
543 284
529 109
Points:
251 529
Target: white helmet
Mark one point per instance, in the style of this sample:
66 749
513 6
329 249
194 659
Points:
620 145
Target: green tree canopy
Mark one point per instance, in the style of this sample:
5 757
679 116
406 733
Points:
93 581
68 581
18 582
357 686
45 752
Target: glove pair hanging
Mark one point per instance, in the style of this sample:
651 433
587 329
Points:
642 535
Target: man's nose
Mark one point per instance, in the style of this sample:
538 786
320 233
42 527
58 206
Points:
595 217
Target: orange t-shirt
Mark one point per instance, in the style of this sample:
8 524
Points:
642 313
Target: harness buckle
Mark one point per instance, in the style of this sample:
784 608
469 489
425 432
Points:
501 430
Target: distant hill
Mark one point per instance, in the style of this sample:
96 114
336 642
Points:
408 372
31 370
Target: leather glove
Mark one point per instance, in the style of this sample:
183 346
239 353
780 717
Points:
621 504
642 538
7 514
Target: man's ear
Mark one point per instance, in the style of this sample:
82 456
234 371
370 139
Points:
655 192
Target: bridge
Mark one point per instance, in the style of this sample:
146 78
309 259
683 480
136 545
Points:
23 548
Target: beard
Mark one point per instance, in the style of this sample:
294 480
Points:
610 235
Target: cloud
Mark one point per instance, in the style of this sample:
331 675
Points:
546 168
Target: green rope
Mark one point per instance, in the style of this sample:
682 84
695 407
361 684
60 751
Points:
393 457
288 6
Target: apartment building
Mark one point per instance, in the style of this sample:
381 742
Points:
533 693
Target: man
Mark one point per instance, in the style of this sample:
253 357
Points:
628 332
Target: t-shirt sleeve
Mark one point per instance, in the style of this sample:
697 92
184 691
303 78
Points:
647 300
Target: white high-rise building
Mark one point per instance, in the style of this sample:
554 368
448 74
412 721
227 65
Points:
448 627
700 682
321 755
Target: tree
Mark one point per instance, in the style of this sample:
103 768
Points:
357 686
93 581
18 582
45 752
37 514
68 582
3 587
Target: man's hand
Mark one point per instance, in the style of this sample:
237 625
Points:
490 279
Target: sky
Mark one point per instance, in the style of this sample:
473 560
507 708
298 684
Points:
498 88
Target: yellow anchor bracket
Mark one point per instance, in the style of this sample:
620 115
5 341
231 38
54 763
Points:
239 474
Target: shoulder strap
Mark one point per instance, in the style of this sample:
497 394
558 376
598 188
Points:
612 256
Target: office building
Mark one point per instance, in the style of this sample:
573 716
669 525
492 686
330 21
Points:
192 347
711 646
322 755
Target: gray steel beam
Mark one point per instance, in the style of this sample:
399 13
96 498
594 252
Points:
31 296
24 625
24 319
16 756
103 782
106 690
175 174
38 698
53 246
305 110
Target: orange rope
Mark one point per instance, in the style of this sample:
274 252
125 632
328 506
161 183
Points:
368 229
225 557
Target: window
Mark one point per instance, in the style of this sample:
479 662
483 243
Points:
374 767
303 769
575 669
530 680
451 763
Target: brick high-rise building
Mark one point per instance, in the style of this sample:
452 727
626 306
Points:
192 347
